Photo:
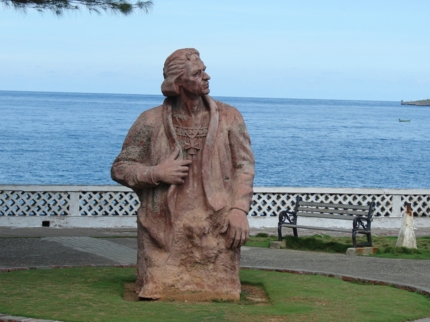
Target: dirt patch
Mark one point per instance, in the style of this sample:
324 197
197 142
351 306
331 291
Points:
250 294
253 294
130 292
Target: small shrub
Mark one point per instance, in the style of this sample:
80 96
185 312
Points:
401 250
317 243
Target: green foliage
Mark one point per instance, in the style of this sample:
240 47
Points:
387 248
261 240
400 250
59 6
386 245
325 243
318 243
95 294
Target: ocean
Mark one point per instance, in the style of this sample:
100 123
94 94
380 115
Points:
73 138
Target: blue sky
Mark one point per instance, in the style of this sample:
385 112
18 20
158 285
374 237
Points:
365 50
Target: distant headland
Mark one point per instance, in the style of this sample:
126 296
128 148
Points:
418 103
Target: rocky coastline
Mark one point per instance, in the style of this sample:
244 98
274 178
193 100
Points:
417 103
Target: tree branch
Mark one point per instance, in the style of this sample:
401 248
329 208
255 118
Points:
59 6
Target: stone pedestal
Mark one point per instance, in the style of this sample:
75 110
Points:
276 244
361 251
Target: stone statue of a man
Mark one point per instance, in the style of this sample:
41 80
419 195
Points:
190 162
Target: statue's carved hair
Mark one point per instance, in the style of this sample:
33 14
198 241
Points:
174 67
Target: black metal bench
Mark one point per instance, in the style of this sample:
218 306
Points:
361 217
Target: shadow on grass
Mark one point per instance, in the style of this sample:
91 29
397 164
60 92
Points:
318 243
324 243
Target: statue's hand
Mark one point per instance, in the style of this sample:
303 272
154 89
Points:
238 228
171 170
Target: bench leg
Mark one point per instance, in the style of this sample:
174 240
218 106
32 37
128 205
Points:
295 233
354 239
279 232
369 239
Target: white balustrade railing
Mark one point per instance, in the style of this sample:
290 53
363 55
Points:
116 206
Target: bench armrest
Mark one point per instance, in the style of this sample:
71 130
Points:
362 223
287 216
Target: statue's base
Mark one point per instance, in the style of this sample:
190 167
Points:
179 296
131 295
361 251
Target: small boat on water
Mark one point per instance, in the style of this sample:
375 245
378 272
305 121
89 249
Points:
402 120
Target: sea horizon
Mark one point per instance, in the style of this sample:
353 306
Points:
67 138
210 94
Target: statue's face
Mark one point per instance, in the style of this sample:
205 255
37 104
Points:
195 81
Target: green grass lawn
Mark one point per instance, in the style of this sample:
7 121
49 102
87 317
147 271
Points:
96 294
386 245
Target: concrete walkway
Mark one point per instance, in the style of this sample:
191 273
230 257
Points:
104 248
55 247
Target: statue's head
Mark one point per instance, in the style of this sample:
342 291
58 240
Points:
175 67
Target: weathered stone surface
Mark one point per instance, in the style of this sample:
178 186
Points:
190 162
276 244
361 251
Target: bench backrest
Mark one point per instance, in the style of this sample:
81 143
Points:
328 210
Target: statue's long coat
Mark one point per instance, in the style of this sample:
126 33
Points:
227 175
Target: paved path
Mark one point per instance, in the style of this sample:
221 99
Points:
61 248
409 273
99 247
